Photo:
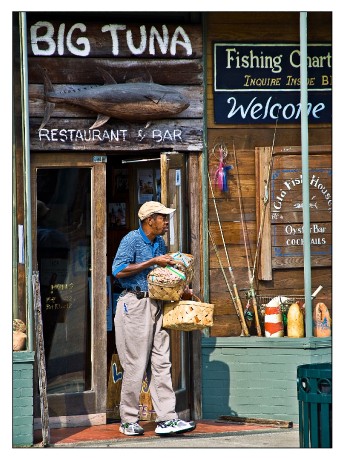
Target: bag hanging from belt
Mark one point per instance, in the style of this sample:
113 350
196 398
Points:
139 294
188 315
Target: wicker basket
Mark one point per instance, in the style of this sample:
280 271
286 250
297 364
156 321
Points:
164 284
188 315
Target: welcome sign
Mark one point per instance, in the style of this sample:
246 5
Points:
258 83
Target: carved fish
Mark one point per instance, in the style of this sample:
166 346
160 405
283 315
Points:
300 205
137 101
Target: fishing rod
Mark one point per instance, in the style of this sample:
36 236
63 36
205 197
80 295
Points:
239 308
242 320
251 292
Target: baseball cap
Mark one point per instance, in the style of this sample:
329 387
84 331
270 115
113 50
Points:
153 207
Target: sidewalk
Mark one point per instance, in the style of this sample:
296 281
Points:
208 434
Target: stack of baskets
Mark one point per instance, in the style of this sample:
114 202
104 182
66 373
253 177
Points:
169 283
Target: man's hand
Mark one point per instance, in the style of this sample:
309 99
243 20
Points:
165 260
187 294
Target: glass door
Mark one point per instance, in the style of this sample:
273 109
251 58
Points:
69 235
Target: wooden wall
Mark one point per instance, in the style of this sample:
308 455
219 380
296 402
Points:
262 27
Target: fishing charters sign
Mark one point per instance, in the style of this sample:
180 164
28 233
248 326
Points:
257 83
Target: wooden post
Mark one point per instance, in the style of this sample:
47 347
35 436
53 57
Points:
41 363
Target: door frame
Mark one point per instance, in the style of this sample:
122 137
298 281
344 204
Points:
88 407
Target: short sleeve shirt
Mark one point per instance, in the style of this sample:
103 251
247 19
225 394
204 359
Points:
135 248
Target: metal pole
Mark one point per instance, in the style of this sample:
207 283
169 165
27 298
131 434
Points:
27 184
305 174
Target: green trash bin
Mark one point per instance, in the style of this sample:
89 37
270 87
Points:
314 390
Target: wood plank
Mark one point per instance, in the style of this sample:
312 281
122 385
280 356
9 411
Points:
41 361
217 283
246 139
64 110
263 158
290 261
168 72
61 135
196 241
247 186
229 209
297 216
321 228
232 232
236 253
111 40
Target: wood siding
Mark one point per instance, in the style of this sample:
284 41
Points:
263 27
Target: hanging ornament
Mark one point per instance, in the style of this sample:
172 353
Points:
221 174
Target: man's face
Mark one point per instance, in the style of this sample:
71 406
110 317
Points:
159 223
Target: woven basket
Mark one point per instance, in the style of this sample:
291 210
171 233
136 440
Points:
19 341
165 285
188 315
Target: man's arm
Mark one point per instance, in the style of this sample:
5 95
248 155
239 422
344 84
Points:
133 269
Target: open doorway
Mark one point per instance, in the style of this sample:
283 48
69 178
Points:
130 183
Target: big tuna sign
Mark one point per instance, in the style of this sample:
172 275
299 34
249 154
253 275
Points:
49 39
260 83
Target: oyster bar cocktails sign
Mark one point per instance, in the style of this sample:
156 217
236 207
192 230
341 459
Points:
258 83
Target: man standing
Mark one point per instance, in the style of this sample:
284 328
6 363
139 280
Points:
141 343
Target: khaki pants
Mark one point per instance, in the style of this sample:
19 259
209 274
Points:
143 345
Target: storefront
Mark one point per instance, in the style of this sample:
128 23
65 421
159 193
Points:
125 108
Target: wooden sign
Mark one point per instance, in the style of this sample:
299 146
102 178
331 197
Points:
107 85
113 39
282 244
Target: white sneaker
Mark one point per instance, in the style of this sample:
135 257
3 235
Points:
131 429
174 426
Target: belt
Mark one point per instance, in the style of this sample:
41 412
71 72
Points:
138 294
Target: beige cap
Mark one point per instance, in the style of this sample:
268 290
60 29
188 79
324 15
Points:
153 207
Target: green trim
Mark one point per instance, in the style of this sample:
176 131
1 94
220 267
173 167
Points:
23 356
205 166
27 180
257 342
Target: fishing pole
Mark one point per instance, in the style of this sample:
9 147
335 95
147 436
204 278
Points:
243 325
237 298
251 291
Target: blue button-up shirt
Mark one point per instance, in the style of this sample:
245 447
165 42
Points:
135 248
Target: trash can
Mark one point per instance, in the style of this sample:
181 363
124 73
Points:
314 390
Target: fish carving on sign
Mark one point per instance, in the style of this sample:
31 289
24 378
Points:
132 101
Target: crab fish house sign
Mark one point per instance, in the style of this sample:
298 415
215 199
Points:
49 40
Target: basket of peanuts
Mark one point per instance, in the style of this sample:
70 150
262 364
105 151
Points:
169 283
